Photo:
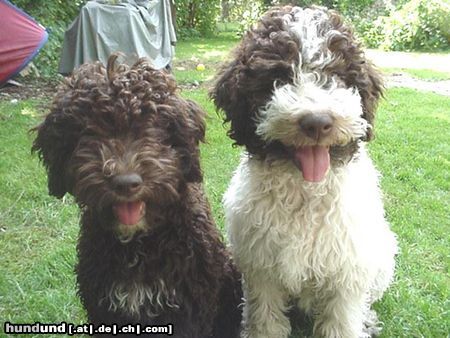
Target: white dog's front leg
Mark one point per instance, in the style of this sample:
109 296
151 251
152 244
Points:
264 310
341 315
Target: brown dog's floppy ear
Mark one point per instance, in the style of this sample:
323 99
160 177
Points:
196 127
185 123
55 142
196 121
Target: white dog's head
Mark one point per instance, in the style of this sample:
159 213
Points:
299 86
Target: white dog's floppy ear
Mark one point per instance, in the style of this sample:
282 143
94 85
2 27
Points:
265 56
355 69
370 86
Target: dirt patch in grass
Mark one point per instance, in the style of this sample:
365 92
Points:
404 80
44 89
30 88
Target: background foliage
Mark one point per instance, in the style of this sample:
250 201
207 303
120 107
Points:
411 25
55 15
196 17
417 25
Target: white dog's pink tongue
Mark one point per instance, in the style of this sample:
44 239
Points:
313 161
129 213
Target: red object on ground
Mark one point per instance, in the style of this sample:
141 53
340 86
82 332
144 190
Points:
21 38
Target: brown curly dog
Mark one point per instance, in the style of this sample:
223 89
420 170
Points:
126 145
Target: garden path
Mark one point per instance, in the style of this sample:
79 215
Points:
436 62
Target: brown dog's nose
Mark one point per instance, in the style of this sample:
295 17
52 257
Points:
127 183
316 126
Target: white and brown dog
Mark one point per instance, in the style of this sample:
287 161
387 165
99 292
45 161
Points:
304 211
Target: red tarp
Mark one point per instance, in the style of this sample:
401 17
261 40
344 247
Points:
20 40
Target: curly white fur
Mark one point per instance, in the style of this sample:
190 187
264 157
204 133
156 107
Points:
289 103
326 244
131 298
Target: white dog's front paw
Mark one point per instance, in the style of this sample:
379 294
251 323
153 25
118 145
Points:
268 330
334 329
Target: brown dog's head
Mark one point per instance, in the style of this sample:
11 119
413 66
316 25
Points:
299 81
121 140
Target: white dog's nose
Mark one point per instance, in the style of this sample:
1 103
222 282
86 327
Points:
316 126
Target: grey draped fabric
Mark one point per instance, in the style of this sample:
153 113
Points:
137 28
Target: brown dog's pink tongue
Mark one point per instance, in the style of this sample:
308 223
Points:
313 161
129 213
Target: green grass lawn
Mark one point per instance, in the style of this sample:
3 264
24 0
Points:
207 51
38 233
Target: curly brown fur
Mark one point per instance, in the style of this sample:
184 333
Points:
126 145
266 58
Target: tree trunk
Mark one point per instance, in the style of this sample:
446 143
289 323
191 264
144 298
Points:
225 10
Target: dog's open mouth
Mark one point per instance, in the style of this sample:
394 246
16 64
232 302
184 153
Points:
313 161
129 213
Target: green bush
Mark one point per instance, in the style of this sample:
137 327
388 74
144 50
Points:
245 13
418 25
197 17
406 25
364 23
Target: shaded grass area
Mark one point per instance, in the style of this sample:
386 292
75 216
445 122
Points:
38 233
